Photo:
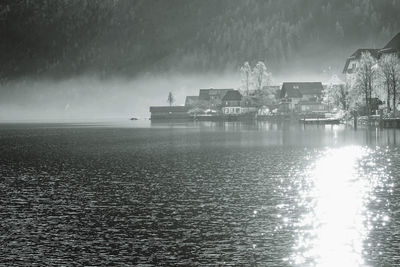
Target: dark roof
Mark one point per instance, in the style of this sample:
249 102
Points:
168 109
298 89
357 55
266 87
191 98
393 45
232 95
204 94
220 92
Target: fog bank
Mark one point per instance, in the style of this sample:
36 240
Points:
93 98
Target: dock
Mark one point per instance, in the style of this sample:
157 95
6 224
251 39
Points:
320 121
390 123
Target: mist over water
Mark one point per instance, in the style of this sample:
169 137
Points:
90 97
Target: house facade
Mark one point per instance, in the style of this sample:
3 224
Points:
232 103
353 61
212 98
302 97
311 107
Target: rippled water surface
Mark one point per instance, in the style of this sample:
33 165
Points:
198 195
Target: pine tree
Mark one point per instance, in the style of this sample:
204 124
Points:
170 99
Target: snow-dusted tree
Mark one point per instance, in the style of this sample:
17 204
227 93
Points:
366 74
337 93
329 92
354 98
245 72
261 76
390 77
343 96
170 99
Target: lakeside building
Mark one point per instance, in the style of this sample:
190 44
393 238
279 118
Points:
393 47
212 98
302 97
311 107
169 112
292 97
232 103
353 61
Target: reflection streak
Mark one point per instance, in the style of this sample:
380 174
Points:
332 230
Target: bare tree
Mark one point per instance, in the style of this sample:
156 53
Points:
245 72
366 74
170 99
261 75
390 74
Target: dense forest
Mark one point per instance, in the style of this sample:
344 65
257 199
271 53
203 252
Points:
69 37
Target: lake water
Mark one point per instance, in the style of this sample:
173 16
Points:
199 194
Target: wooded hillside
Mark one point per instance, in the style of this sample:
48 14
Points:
65 38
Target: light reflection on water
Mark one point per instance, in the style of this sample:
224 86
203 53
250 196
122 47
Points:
335 226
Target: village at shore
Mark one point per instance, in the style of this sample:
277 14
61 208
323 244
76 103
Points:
369 88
